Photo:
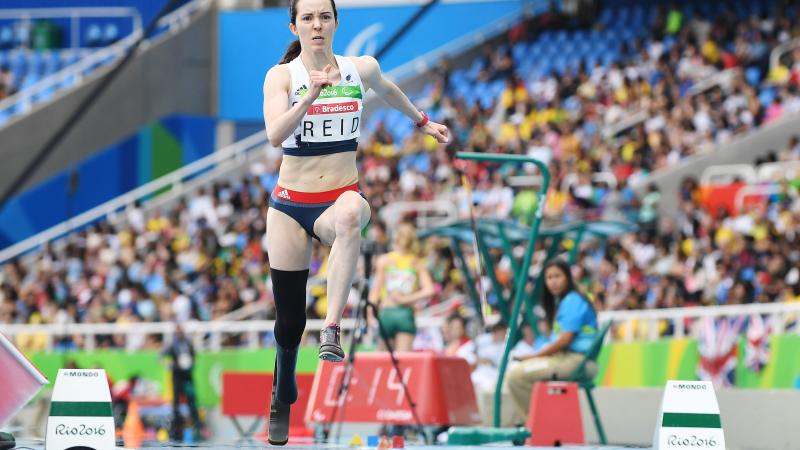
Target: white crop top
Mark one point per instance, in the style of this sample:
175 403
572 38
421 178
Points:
333 122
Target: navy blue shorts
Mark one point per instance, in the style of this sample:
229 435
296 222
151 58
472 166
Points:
306 207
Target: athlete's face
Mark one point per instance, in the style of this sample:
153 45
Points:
556 281
315 24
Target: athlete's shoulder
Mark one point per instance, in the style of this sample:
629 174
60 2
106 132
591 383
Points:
279 70
365 60
279 75
366 64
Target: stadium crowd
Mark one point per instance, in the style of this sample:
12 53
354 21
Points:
205 258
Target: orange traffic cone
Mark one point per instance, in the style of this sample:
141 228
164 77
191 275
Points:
133 429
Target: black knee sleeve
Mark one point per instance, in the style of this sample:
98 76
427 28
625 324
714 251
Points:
289 291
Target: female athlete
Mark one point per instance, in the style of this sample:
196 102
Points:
313 101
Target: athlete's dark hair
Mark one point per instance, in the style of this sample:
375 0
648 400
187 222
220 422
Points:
294 48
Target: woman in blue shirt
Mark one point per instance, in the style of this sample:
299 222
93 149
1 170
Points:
573 322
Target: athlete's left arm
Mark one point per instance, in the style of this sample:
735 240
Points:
371 75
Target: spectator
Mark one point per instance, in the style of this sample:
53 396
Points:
182 356
574 325
458 343
401 282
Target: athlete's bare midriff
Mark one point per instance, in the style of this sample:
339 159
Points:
318 173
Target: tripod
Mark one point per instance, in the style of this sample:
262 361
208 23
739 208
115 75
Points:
358 334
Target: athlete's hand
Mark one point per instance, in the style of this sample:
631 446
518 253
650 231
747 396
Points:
438 131
319 79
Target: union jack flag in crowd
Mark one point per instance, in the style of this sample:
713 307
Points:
756 354
718 347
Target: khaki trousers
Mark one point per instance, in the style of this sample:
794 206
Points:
523 375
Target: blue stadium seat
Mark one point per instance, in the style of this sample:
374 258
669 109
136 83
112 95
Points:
609 58
766 96
752 75
110 33
519 51
403 130
599 47
485 100
94 35
590 61
550 51
497 87
376 118
559 65
18 64
36 63
461 87
534 53
52 63
458 75
585 48
668 42
606 16
6 37
22 35
30 79
474 69
652 14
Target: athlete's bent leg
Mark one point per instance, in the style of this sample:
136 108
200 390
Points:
340 227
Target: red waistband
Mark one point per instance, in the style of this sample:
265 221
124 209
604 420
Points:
311 197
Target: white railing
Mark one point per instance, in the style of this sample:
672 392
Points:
633 118
723 79
630 121
173 179
209 335
727 174
649 320
74 73
777 52
572 179
205 335
74 14
429 213
779 171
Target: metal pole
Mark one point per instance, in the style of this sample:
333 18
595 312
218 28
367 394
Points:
526 261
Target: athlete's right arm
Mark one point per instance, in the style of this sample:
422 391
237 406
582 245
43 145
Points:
280 120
